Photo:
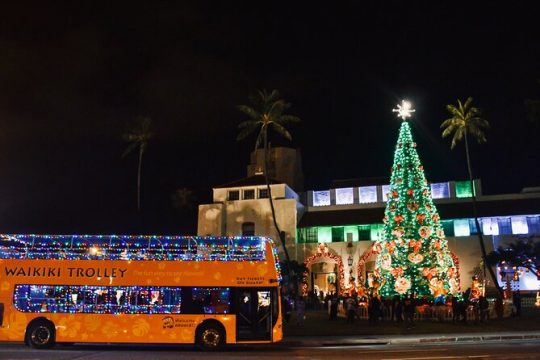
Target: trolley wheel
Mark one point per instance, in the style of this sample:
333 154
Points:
210 337
40 334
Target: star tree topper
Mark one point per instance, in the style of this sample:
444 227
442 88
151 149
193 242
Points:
404 110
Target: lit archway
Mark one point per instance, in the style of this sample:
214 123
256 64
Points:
321 254
361 267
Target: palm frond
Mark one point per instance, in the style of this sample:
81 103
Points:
129 149
282 131
249 111
458 135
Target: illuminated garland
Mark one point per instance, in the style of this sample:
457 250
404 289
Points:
118 299
130 247
361 267
318 256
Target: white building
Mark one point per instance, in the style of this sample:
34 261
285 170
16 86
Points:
332 230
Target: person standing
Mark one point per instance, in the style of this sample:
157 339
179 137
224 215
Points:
516 299
399 309
351 309
408 309
455 309
483 304
300 311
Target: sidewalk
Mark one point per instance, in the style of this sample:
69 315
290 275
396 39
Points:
317 341
317 330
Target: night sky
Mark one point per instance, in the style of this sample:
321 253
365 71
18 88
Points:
73 74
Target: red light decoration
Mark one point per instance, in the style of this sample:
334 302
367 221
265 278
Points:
321 255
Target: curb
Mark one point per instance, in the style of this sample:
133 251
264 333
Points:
409 340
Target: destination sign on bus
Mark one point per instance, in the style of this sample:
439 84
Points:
71 272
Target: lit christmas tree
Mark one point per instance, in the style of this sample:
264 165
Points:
413 255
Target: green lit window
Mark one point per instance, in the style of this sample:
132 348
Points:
307 235
463 189
376 231
461 227
364 232
324 234
352 232
448 227
337 234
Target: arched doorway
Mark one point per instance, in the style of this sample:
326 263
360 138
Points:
361 269
334 276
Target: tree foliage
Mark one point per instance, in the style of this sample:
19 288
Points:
524 253
465 120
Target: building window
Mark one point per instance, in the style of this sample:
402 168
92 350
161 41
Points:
307 235
385 189
472 227
376 231
533 222
351 232
249 194
490 226
344 196
367 194
321 198
505 227
463 189
364 232
324 234
248 229
519 225
234 195
263 193
461 227
337 234
440 190
448 227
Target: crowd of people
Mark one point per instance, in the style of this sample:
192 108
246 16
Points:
399 309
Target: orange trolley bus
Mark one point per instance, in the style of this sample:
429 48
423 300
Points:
209 291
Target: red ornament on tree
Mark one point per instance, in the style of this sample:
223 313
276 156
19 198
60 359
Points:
420 218
398 218
410 192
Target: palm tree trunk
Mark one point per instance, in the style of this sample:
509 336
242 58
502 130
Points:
269 190
139 179
475 213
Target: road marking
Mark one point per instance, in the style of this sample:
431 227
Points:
429 358
404 350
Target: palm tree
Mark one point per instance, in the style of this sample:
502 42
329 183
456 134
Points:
466 121
138 136
268 111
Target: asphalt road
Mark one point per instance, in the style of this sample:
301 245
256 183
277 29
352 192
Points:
512 350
